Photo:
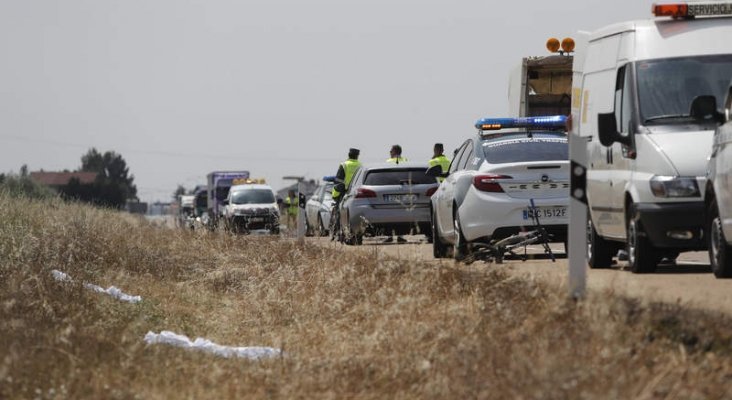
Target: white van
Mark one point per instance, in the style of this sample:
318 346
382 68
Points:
646 97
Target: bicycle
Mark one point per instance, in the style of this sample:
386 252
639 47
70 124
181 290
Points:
498 250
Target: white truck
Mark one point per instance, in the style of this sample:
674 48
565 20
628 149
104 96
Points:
646 99
542 85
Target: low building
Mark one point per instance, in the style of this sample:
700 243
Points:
56 180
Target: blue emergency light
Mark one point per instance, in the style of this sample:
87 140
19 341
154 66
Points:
549 122
329 178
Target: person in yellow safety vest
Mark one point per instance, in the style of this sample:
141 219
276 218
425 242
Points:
346 170
396 155
439 159
345 173
291 205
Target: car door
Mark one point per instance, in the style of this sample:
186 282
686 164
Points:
620 161
348 198
446 193
313 206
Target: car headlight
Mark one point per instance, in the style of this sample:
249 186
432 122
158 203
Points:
674 186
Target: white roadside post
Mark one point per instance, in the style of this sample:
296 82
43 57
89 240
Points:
300 212
577 216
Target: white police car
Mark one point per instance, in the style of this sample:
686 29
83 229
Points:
494 175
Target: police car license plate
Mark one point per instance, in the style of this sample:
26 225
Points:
546 212
400 198
256 219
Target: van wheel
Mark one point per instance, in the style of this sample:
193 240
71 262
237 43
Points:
460 248
720 253
642 256
599 250
439 249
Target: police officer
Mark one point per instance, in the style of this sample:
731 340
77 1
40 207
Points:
439 159
396 155
345 173
291 205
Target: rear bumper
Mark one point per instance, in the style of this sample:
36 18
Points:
665 223
485 216
379 221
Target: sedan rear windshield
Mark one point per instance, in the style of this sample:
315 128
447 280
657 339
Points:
382 177
253 196
526 149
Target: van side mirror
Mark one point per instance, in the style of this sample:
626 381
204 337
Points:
436 171
607 130
226 202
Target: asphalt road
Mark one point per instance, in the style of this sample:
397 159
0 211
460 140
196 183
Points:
689 282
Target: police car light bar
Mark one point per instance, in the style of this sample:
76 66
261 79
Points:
691 10
548 122
329 178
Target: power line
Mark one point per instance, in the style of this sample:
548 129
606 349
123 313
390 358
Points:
170 154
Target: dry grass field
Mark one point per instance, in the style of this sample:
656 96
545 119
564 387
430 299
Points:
351 325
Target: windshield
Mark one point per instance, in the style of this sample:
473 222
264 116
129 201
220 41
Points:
253 196
414 176
666 87
526 149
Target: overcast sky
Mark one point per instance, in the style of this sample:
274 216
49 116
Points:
277 87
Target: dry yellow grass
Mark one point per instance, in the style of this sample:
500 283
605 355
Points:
351 325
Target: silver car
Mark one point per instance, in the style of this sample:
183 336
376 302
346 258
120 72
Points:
317 210
387 199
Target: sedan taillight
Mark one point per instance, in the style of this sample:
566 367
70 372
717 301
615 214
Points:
489 182
362 193
431 191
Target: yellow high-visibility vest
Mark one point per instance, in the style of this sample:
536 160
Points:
443 162
292 205
349 167
397 160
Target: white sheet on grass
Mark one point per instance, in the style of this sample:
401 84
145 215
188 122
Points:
174 339
112 290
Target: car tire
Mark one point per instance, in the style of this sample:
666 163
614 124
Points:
720 253
642 256
460 247
599 250
439 249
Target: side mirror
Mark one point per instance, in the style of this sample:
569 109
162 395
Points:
607 130
226 202
436 171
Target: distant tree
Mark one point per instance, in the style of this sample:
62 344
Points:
24 170
113 185
23 186
179 191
